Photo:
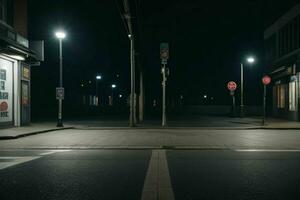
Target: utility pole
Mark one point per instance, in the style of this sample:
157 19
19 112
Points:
242 91
164 56
164 82
132 117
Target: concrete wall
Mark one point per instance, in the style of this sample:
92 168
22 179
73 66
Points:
20 17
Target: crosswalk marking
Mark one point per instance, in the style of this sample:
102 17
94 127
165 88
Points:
8 161
157 184
11 161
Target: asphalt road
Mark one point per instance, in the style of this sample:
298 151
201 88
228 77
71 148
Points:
149 174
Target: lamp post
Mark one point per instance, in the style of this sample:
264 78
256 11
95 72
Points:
60 35
113 86
98 78
250 60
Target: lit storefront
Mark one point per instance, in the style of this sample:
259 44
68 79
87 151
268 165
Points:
16 59
282 49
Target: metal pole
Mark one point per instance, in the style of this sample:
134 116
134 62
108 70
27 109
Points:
264 105
96 92
141 98
59 122
164 120
132 101
233 105
242 91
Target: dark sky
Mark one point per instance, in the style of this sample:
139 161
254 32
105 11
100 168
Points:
208 40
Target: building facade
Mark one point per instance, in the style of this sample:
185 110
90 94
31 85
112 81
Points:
16 59
282 47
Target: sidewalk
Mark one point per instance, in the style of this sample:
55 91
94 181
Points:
204 123
32 129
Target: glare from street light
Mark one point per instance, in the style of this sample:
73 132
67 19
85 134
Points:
250 60
60 34
113 86
98 77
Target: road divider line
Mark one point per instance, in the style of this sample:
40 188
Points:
157 185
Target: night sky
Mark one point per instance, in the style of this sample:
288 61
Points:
208 40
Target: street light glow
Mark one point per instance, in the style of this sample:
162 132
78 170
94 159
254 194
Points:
113 86
60 34
250 60
98 77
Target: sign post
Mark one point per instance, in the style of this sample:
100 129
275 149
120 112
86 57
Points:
231 86
164 56
266 80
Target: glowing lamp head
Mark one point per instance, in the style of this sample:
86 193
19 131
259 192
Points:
113 86
60 34
250 60
98 77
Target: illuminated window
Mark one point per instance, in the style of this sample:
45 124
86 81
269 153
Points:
281 96
292 96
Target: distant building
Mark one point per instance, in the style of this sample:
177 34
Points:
282 42
16 59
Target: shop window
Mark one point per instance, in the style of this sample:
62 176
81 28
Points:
280 96
292 96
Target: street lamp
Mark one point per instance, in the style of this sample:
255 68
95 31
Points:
250 60
60 35
113 86
98 78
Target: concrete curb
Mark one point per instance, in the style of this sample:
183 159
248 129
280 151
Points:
189 128
7 137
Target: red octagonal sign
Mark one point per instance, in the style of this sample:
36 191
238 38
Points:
231 85
266 80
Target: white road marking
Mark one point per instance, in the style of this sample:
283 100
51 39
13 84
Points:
11 161
267 150
157 185
53 151
8 161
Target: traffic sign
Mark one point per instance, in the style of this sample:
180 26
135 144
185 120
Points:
266 80
164 51
231 85
60 93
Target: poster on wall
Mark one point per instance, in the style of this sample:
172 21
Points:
6 91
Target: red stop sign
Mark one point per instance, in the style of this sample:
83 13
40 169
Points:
266 80
231 85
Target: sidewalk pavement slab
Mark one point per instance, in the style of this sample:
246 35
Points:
32 129
216 123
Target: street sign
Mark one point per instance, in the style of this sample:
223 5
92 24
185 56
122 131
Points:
164 51
231 85
60 93
266 80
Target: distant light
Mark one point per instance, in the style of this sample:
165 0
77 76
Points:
113 86
98 77
120 96
250 60
60 34
90 82
82 85
205 96
129 35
